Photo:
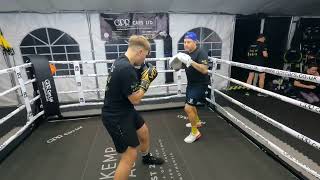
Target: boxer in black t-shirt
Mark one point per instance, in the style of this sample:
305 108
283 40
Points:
258 55
124 89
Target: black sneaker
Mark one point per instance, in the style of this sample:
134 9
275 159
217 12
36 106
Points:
151 160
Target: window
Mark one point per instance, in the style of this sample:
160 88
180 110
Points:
55 44
208 40
114 49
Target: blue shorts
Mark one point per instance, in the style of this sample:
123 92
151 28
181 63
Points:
196 94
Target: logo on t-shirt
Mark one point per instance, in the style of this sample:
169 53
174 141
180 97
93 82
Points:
205 62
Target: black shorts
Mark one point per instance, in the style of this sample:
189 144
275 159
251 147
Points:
258 62
123 129
196 94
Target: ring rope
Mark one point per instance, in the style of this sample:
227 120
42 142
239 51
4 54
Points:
102 75
303 105
273 122
101 103
16 87
101 61
102 90
16 111
274 146
12 69
277 72
18 133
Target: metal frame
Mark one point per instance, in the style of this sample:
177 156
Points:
51 45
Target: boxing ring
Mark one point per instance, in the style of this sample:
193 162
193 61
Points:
234 145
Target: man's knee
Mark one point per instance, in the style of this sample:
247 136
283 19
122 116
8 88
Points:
189 109
250 77
130 155
143 133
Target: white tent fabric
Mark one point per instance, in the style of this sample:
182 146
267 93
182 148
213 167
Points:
223 25
280 7
11 98
16 26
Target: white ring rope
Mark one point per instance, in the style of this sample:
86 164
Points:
105 75
102 61
16 111
101 103
9 90
303 105
24 128
272 122
34 99
277 72
79 105
11 70
271 144
30 81
162 98
102 90
16 87
11 114
83 75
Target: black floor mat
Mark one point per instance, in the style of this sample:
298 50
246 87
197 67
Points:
82 150
296 118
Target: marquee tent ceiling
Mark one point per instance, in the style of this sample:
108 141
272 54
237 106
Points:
272 7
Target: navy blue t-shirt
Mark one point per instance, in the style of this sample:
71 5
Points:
121 82
195 77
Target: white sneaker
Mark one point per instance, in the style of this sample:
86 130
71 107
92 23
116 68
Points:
199 124
262 95
192 138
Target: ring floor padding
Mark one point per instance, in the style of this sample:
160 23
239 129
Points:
82 150
296 118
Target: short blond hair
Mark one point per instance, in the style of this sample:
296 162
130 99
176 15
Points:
139 41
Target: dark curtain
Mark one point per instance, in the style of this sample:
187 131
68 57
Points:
276 30
246 31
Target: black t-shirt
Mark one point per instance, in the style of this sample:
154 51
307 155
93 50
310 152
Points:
255 51
121 82
194 76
